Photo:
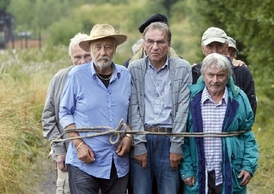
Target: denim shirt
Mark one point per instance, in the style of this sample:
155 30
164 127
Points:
86 102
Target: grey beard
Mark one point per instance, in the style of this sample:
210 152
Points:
102 65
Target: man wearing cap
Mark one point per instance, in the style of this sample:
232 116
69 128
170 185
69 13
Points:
214 40
232 52
97 94
232 49
158 104
140 53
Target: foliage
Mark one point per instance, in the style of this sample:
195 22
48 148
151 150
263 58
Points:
62 31
113 2
263 130
65 18
24 78
252 25
20 134
168 4
38 15
4 4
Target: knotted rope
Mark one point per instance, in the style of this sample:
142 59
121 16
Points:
116 134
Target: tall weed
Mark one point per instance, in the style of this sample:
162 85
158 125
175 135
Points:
264 133
24 78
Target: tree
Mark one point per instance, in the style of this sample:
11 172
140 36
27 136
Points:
252 25
38 15
168 5
4 4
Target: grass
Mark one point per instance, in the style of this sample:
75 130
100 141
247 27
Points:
263 130
24 78
19 135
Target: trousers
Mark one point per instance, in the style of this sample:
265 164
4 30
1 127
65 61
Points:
158 167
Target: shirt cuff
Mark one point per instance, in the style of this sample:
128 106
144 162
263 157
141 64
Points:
176 148
139 149
59 148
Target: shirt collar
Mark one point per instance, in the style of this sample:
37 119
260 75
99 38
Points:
150 66
206 96
115 72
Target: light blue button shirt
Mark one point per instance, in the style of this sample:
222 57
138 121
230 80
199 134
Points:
86 102
158 97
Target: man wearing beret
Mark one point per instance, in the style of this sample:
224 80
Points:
140 53
159 104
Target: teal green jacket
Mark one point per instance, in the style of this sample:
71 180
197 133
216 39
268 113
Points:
239 152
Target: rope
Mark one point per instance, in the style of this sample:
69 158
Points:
116 134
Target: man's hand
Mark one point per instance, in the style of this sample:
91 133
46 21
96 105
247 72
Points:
61 165
124 146
190 181
85 154
237 63
142 160
246 177
175 160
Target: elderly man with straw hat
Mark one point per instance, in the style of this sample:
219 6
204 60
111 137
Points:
97 94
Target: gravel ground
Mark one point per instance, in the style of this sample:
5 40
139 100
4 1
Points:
46 177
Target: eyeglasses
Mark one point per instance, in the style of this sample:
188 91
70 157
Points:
151 42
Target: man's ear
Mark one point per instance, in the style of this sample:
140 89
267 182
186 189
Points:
202 47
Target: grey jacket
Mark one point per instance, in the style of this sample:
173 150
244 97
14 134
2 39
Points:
50 116
181 77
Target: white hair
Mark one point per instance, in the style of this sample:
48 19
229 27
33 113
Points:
220 61
79 37
137 45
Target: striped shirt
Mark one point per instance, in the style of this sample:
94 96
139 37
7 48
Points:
213 117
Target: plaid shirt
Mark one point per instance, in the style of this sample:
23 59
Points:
213 117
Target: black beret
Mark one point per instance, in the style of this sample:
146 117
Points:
155 18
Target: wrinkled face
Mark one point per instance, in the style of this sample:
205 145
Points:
215 80
231 53
79 56
156 45
102 52
215 47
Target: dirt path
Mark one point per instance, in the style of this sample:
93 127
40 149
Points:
45 177
48 186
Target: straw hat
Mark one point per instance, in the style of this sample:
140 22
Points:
102 31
